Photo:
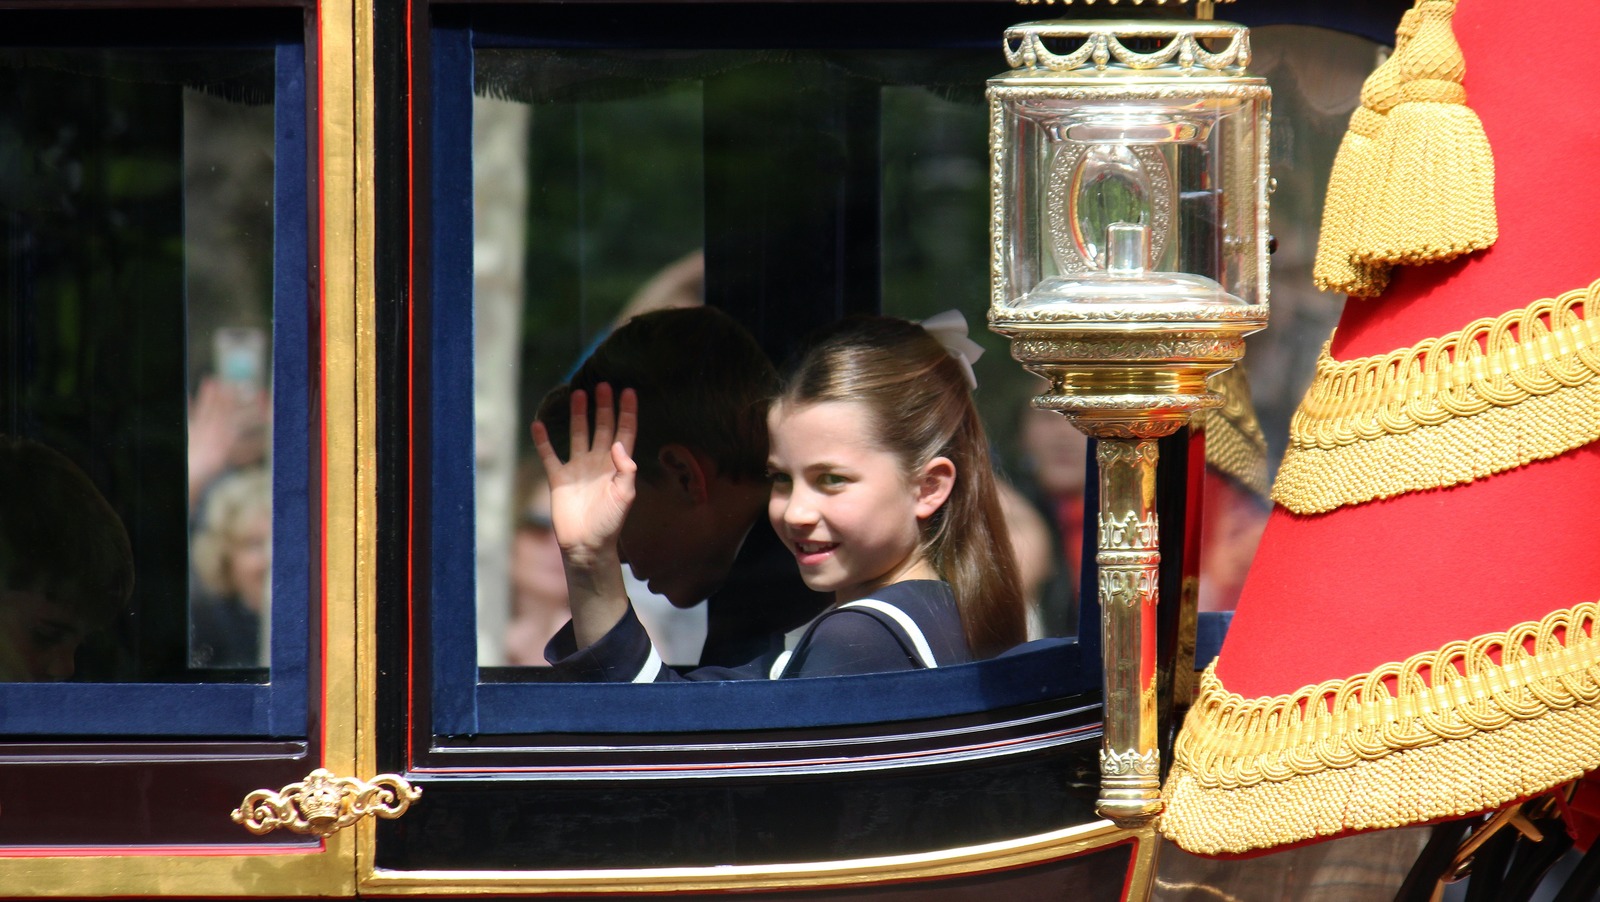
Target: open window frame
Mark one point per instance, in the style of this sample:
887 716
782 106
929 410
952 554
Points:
527 771
138 779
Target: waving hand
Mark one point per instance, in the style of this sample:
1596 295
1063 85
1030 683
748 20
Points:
590 494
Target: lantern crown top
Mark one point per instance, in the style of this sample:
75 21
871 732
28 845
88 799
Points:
1129 46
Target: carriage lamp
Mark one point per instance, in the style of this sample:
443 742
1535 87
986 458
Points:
1129 184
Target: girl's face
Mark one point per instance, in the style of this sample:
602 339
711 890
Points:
845 507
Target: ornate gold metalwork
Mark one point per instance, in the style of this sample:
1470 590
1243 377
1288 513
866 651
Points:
1130 585
1123 364
1102 44
322 803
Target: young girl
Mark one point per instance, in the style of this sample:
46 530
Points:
881 488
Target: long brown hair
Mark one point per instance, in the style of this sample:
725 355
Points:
918 397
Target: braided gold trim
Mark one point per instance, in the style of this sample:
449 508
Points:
1461 732
1497 395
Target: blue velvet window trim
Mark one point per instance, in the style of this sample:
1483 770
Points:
142 709
453 529
1039 671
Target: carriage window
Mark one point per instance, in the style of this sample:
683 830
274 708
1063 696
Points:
787 188
590 207
152 415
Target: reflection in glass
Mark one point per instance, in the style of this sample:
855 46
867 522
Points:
232 553
136 205
66 568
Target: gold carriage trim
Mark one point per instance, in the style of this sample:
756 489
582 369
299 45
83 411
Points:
1497 395
1459 732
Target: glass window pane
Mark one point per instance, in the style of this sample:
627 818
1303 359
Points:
593 201
574 231
137 196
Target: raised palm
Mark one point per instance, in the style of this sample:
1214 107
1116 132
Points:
590 494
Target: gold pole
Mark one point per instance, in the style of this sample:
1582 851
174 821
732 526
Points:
1130 581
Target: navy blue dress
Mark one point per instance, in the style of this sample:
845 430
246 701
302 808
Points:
762 598
904 626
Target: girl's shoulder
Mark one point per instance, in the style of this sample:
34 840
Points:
923 614
931 598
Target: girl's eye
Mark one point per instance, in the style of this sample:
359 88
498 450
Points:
777 479
832 481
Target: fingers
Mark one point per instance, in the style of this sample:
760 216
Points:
628 420
605 417
547 451
615 420
578 424
626 468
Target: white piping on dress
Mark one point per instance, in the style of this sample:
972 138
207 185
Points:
651 668
781 664
918 641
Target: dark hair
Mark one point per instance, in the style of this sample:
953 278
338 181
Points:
702 382
58 536
918 395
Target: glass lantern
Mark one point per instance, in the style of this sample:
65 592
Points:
1129 236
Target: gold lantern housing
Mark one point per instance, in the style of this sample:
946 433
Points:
1129 230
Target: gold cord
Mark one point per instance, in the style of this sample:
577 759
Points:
1466 728
1413 181
1335 267
1496 395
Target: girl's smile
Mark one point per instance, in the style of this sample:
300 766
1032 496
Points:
843 505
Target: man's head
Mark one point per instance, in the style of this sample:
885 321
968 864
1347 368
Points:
703 386
66 567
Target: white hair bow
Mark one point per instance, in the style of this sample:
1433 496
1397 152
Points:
950 329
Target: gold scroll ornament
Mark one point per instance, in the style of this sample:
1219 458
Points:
322 804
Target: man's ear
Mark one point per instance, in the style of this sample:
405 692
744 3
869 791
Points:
684 471
934 482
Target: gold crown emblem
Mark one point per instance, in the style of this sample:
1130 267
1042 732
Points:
320 800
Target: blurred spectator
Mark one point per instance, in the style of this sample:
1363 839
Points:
228 430
1033 545
681 283
1055 463
232 554
66 567
538 582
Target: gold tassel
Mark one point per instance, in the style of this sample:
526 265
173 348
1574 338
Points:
1354 183
1437 196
